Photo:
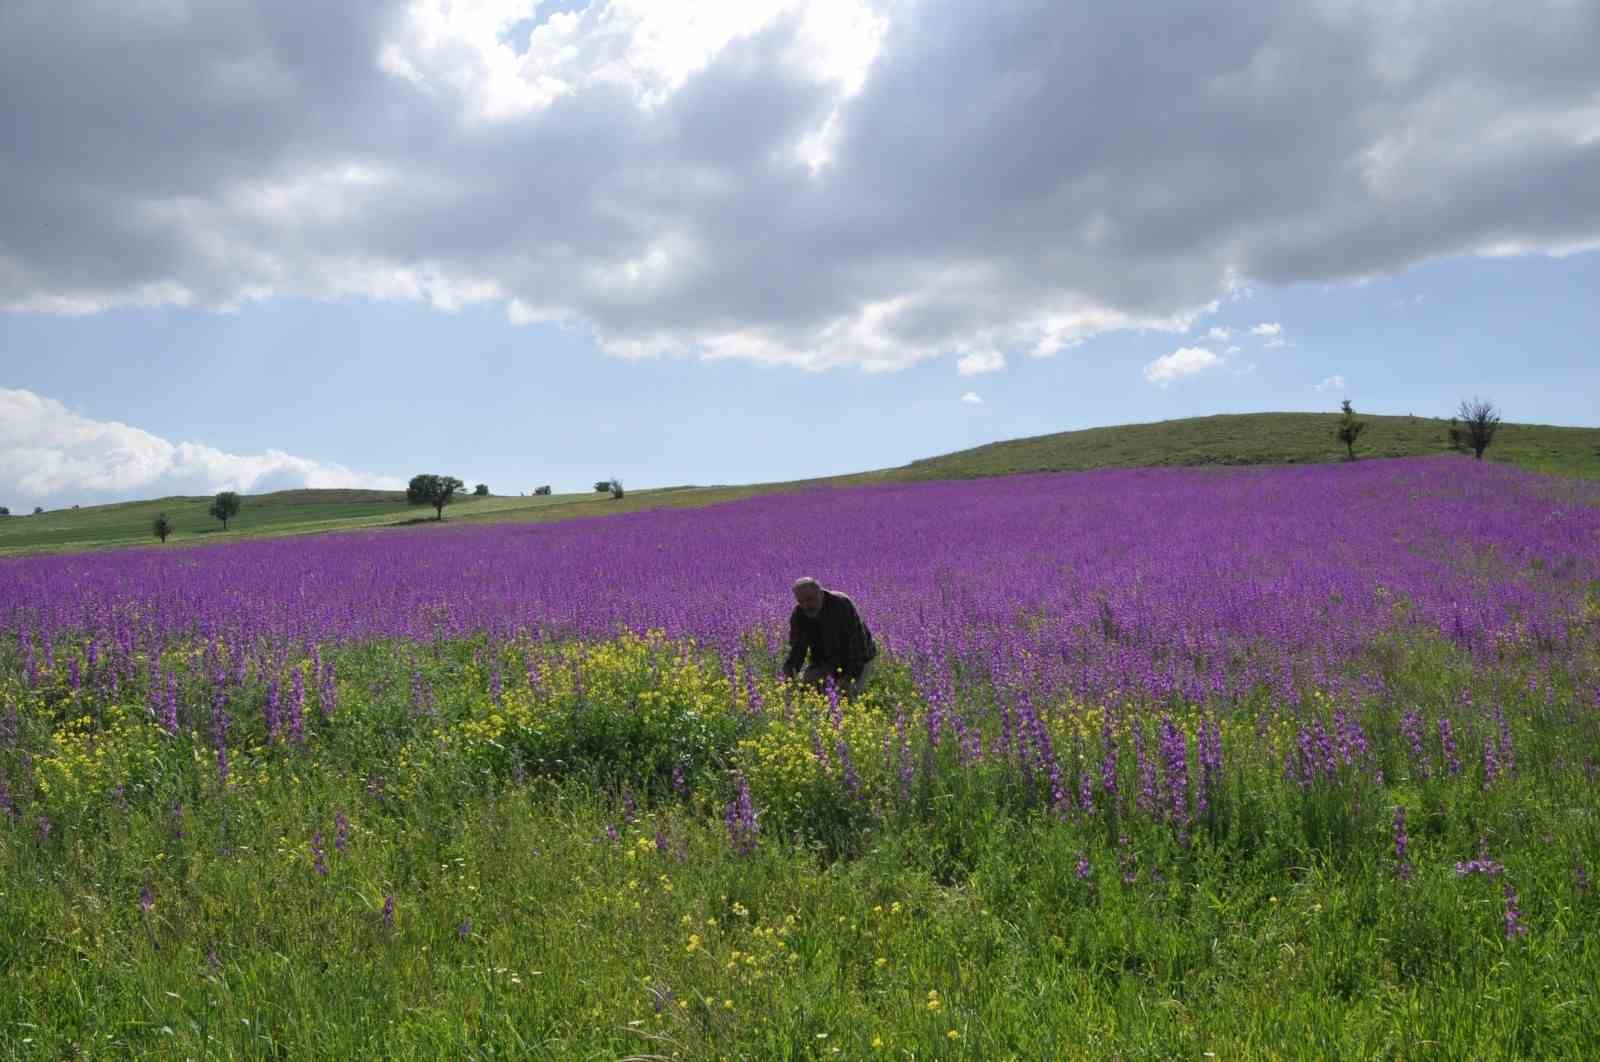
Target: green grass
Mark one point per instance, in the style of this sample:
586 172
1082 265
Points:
524 927
1225 440
1260 439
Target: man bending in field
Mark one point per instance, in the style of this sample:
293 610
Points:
826 625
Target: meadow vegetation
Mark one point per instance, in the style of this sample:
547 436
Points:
1283 763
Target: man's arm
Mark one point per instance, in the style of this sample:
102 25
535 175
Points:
859 647
798 645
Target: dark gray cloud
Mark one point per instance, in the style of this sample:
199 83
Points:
997 178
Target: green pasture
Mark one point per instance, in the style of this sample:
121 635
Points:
1219 441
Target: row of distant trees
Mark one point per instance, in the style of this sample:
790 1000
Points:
1472 428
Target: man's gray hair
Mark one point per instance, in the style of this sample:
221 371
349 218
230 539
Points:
805 582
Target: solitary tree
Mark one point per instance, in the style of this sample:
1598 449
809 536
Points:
1479 421
162 527
1350 429
429 489
1454 434
481 490
615 486
602 485
38 510
4 511
225 507
542 490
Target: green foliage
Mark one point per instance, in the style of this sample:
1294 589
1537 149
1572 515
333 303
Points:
5 510
555 894
481 490
38 510
540 491
602 486
616 488
161 527
429 489
224 507
1350 429
1480 421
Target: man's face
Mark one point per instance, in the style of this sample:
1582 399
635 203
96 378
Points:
809 598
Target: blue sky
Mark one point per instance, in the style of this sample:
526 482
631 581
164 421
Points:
772 248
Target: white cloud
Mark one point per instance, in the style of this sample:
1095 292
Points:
47 450
1267 328
803 183
1180 364
971 398
1331 383
981 361
1229 352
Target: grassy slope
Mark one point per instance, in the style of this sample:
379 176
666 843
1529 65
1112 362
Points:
1260 438
1234 439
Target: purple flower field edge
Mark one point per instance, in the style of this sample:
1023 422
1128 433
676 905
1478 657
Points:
1154 582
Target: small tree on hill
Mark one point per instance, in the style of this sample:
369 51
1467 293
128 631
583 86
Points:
1350 429
1454 434
429 489
4 511
481 490
602 485
542 490
38 510
162 527
616 488
1480 420
225 507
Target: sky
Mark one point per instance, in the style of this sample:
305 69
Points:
254 246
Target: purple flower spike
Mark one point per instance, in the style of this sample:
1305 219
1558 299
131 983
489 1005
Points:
741 819
1514 926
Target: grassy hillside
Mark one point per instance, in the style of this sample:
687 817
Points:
285 512
1256 439
1234 439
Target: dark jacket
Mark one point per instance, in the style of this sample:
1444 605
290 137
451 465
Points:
836 639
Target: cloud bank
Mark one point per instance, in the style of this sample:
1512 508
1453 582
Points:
49 453
841 182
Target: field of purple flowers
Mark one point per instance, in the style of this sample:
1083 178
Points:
1277 761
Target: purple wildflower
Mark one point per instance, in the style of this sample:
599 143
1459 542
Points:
1514 926
741 818
1411 730
1402 845
388 911
1507 751
42 828
852 782
169 708
679 786
1146 800
1491 762
328 693
319 857
1487 867
1082 869
341 831
464 930
661 843
630 808
1580 878
147 898
1174 761
1108 757
1127 860
1447 742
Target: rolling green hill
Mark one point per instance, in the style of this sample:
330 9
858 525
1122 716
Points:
1231 439
1259 439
